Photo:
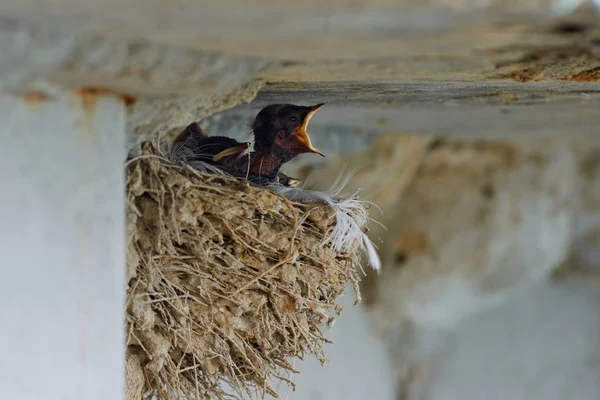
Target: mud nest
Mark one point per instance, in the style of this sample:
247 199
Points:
228 282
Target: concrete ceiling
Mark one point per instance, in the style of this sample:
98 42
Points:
483 68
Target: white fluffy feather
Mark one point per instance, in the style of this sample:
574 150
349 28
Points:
351 216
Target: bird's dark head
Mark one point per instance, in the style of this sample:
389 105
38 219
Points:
281 128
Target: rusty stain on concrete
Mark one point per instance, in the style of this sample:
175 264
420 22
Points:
552 62
527 75
89 95
589 75
34 98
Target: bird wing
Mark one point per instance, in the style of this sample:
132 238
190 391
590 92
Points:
237 151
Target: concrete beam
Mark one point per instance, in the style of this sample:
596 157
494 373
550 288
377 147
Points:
165 86
355 114
232 25
381 66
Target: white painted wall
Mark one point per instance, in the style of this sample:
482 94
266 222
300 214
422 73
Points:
356 369
62 247
544 345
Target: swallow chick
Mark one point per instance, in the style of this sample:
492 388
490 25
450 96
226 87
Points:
193 144
279 136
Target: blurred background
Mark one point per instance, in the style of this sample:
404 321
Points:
474 125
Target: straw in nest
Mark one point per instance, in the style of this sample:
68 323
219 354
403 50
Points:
227 281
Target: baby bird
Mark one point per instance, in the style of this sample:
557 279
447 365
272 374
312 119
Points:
279 136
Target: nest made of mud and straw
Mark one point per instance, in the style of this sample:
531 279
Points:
227 282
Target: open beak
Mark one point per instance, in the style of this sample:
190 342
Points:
302 135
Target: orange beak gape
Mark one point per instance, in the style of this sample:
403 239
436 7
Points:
302 136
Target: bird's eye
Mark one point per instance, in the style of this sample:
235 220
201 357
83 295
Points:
293 118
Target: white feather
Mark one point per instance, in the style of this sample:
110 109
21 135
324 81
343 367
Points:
351 217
